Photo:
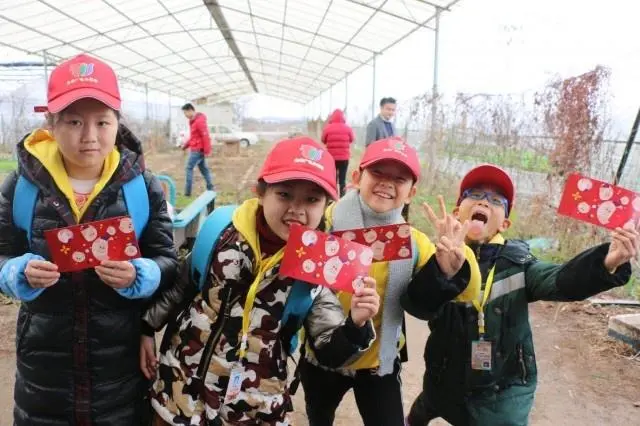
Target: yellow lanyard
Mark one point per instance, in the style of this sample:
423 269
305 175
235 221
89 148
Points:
251 298
485 296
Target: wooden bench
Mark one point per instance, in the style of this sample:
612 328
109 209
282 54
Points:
187 222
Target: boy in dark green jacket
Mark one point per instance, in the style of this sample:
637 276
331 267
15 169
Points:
480 362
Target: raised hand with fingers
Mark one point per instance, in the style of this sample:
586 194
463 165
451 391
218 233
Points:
624 247
450 238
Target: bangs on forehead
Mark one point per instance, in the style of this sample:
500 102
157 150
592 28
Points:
392 166
302 184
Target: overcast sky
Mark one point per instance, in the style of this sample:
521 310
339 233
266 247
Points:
505 46
489 46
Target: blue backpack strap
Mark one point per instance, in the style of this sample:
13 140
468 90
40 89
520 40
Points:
136 198
206 240
298 305
25 196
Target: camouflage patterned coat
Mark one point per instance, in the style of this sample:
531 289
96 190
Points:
201 346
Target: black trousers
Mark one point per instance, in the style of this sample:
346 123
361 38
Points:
341 174
379 398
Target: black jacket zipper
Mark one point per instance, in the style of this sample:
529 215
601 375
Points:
218 326
523 365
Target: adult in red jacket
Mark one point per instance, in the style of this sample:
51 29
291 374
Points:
337 136
199 143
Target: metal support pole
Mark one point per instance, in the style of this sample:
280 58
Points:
330 98
146 100
627 149
46 72
170 112
373 89
434 102
346 92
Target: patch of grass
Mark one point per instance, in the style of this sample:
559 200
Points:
8 165
183 201
522 159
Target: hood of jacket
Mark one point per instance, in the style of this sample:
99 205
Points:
40 161
337 116
198 116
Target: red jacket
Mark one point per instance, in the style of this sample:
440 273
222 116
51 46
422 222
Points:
199 140
337 136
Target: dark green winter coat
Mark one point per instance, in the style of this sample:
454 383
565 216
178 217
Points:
504 395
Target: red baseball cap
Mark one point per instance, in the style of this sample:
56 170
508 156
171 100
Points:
301 158
394 148
488 174
82 76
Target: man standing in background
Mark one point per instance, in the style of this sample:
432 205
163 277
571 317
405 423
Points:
199 144
381 127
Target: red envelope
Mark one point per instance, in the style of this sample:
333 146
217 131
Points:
388 242
83 246
598 202
319 258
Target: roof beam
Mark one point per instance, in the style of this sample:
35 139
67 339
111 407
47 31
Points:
308 46
63 43
304 30
224 96
304 59
287 88
355 34
284 20
218 57
197 42
313 77
413 30
92 29
143 21
324 15
385 12
216 13
437 6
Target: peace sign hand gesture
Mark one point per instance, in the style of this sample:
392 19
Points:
450 238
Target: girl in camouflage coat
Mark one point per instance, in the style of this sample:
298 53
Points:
204 352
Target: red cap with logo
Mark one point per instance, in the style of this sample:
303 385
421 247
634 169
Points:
394 148
81 77
301 158
488 174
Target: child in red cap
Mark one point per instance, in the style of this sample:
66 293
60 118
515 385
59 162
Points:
294 186
77 354
385 183
481 367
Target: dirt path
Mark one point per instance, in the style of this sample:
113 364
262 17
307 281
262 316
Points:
585 377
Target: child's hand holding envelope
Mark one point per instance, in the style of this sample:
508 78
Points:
365 302
96 244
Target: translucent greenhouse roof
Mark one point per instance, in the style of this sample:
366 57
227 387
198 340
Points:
220 49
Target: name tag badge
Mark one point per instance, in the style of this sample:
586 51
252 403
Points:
235 384
481 355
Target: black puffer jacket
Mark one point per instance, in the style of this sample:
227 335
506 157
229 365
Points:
77 344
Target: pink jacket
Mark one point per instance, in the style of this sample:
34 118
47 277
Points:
337 136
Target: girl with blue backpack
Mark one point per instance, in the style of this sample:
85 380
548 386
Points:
232 318
78 332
